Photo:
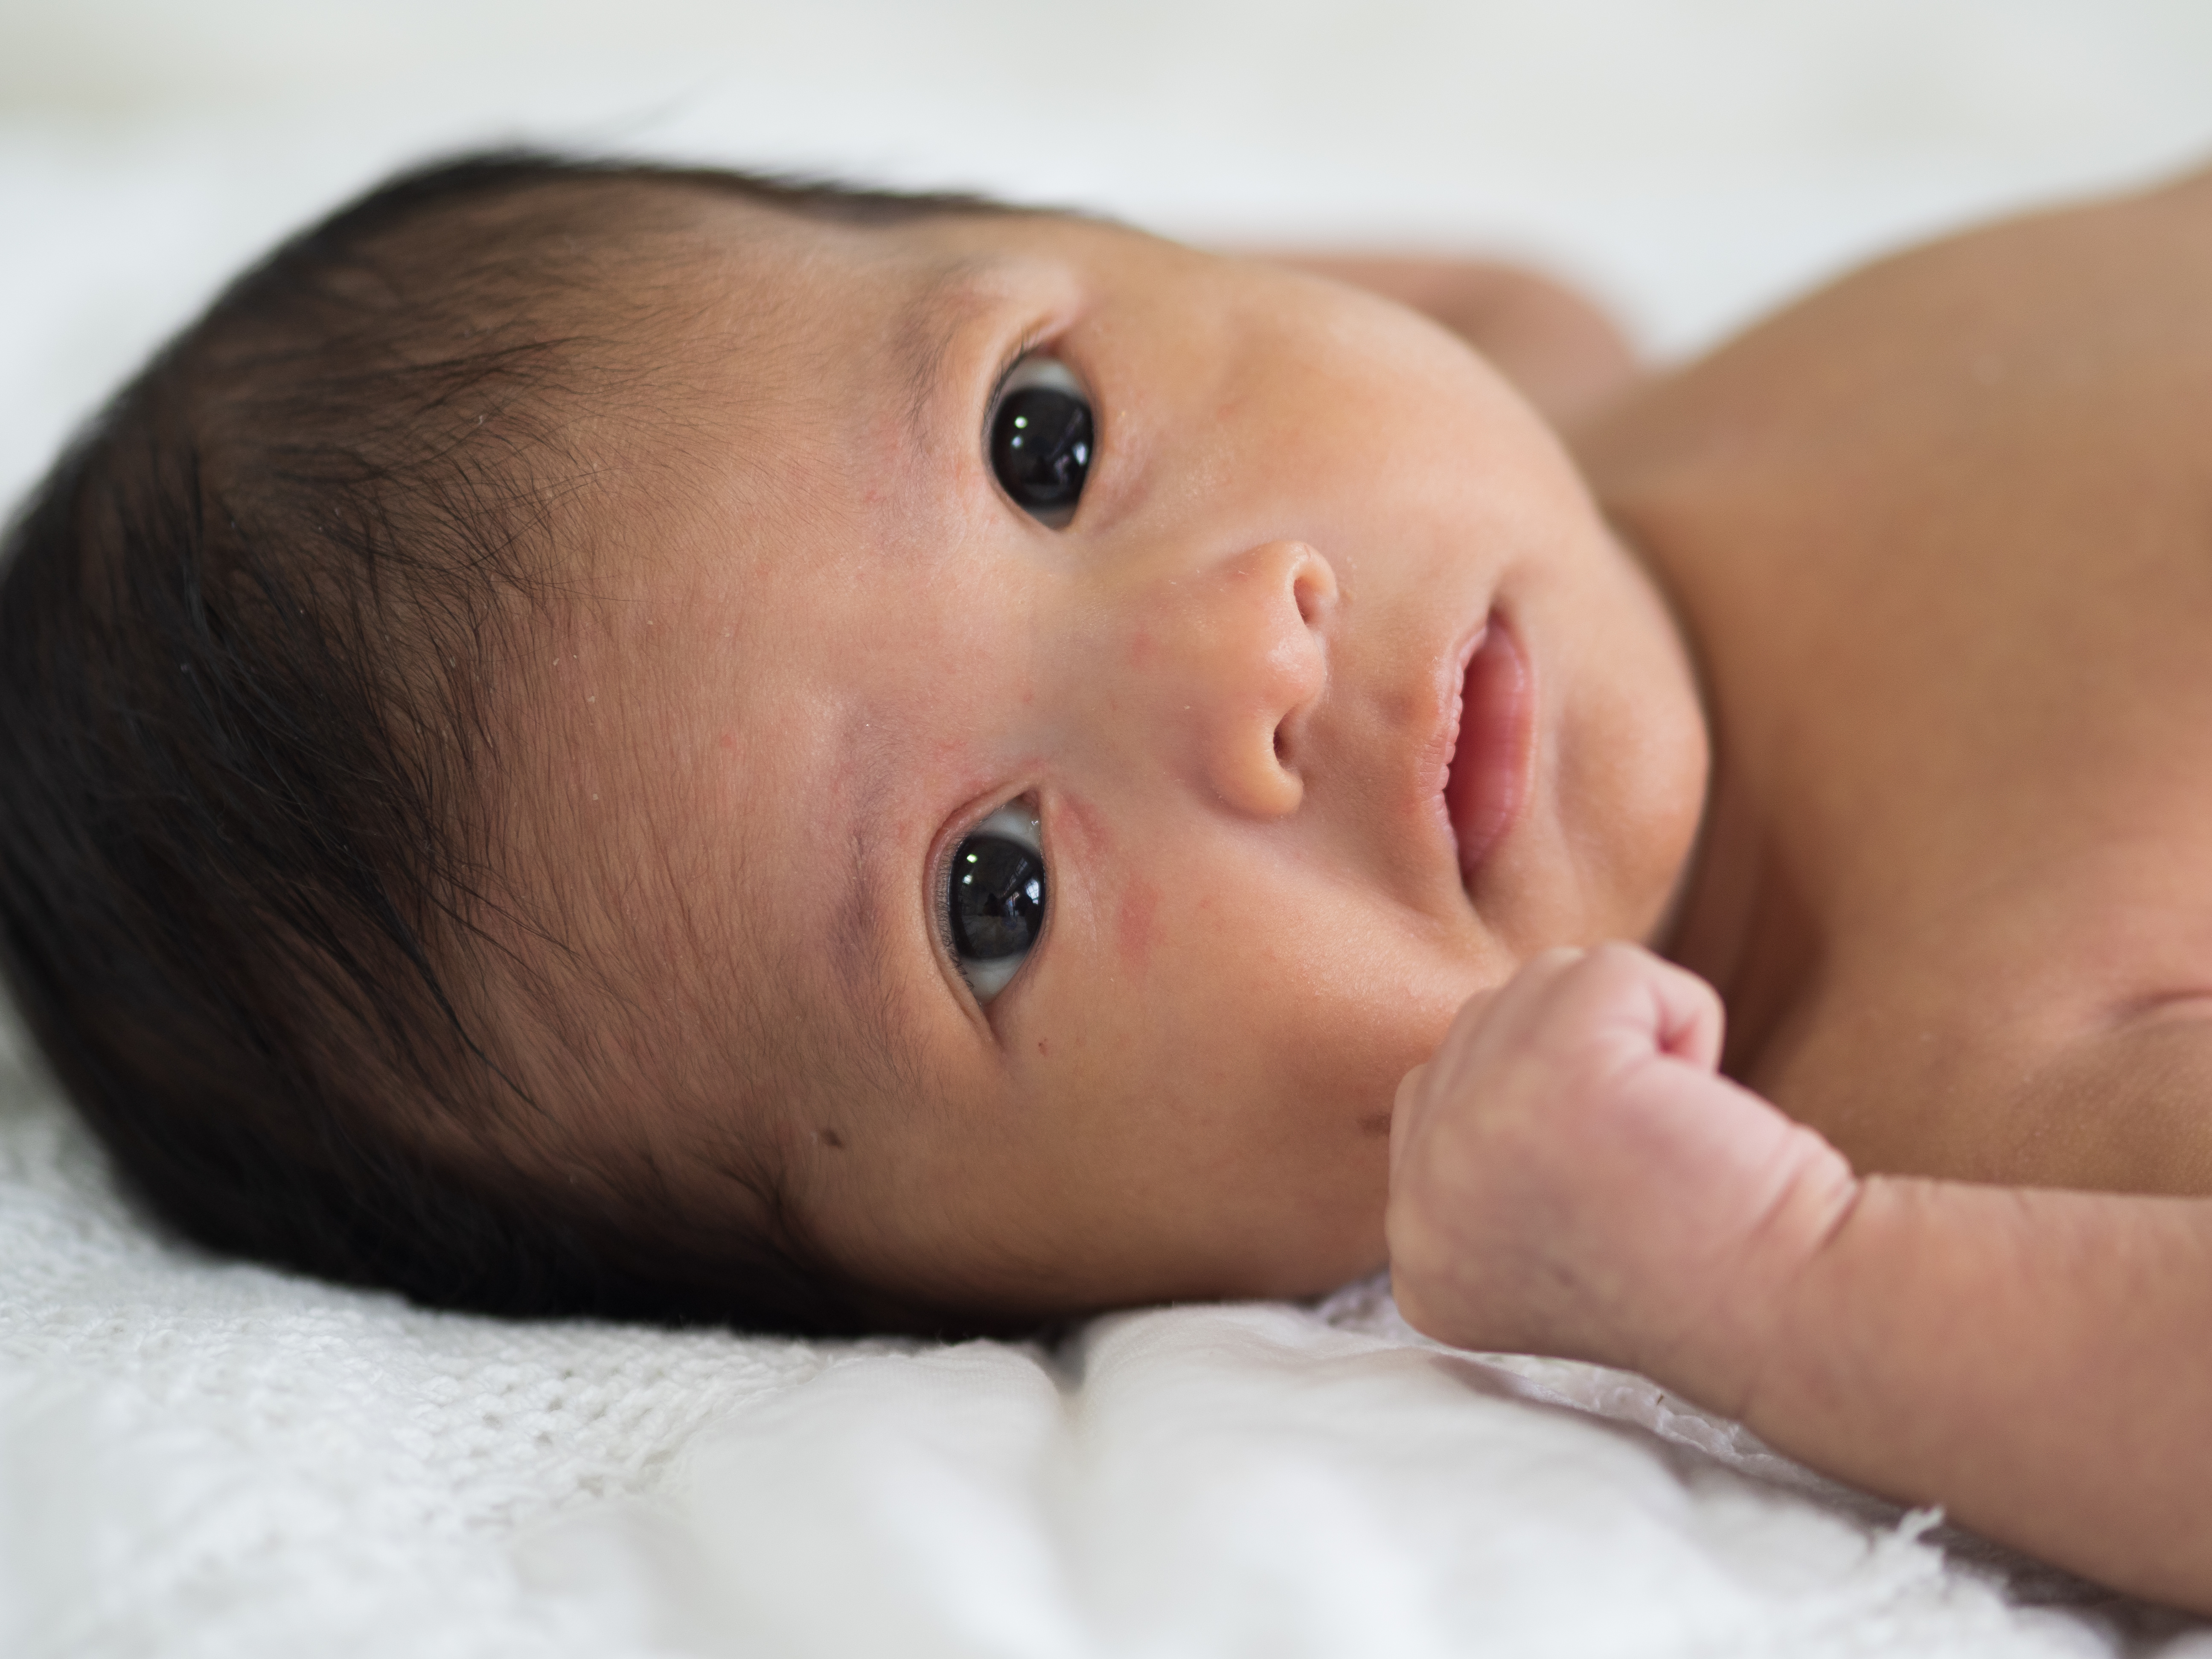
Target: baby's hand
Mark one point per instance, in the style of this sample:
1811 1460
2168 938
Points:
1568 1176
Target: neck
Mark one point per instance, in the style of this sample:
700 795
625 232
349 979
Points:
1736 917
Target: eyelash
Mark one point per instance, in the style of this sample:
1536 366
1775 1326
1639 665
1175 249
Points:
1031 342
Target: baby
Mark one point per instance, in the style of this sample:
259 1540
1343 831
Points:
608 740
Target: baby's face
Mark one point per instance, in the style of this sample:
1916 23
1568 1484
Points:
831 650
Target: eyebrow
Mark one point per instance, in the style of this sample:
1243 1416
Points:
890 1051
929 327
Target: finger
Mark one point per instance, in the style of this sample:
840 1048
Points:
1634 1005
1516 1002
1689 1019
1401 1115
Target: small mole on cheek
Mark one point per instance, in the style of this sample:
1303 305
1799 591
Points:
830 1139
1041 1049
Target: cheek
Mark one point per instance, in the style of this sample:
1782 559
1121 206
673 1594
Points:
1119 907
1248 998
1635 758
1134 924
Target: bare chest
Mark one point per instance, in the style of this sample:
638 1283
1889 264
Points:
1943 539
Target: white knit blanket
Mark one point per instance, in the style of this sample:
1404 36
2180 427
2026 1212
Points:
200 1457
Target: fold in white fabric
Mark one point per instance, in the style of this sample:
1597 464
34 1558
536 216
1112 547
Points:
200 1457
1251 1480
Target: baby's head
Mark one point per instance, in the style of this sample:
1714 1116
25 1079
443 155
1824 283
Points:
608 740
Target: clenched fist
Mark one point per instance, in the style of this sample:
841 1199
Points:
1568 1176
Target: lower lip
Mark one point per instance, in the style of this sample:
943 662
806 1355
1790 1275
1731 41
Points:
1489 778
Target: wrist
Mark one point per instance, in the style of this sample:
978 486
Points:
1727 1346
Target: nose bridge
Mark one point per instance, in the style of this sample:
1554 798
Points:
1230 655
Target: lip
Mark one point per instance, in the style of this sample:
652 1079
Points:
1485 782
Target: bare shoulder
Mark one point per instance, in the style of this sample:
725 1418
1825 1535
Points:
2079 313
2194 186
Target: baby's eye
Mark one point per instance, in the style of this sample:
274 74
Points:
1041 439
994 899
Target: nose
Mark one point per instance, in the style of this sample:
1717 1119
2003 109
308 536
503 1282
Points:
1248 661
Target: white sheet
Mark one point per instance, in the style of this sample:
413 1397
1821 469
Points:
199 1457
207 1458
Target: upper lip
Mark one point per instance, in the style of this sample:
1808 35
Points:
1437 754
1479 807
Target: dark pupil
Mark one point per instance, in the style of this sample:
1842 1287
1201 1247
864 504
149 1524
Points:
1041 447
998 897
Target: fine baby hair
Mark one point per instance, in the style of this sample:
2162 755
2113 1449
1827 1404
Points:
258 657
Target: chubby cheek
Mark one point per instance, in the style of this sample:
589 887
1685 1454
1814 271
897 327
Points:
1232 1025
1633 762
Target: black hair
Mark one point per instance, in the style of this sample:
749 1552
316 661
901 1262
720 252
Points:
250 631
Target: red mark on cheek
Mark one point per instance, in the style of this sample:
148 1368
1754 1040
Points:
728 740
1141 648
1141 903
1043 1049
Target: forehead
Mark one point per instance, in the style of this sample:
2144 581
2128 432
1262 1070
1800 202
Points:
809 391
807 381
797 373
844 301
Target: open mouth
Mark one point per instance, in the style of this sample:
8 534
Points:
1489 776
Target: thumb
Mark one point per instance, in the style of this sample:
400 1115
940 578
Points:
1691 1019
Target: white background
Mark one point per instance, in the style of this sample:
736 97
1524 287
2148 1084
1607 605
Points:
1693 160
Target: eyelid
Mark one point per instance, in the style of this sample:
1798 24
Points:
1034 349
1032 341
1015 825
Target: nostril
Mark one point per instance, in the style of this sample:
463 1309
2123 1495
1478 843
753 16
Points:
1313 585
1282 749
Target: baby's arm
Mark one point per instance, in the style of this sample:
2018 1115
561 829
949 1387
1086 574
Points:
1568 1176
1556 345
